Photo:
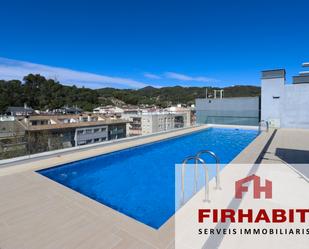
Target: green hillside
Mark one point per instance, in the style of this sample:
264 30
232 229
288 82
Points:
41 93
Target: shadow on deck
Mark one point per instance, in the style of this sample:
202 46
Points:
298 159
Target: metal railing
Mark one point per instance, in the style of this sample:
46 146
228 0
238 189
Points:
218 184
184 163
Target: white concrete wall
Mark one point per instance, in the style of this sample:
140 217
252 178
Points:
291 110
295 110
272 94
240 103
241 111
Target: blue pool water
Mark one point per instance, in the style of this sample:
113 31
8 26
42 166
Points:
140 181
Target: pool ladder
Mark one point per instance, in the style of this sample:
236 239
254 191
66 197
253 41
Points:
266 125
197 158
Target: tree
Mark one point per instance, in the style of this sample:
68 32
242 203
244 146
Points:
41 93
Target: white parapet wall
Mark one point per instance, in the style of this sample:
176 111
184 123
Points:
230 111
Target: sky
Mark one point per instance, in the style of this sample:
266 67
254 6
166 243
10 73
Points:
136 43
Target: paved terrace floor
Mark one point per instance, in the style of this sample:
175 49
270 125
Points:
37 213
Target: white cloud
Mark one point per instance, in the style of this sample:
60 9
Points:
15 69
183 77
152 76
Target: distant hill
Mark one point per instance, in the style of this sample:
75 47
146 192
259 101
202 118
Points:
166 96
41 93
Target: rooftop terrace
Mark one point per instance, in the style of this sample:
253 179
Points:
44 214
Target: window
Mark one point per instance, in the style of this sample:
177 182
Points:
88 131
96 130
96 140
103 129
80 132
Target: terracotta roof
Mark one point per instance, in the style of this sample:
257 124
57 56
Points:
54 117
73 125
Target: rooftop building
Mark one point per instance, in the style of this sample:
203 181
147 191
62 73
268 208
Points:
285 105
19 110
108 110
147 121
67 110
49 132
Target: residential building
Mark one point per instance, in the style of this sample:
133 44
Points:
19 111
161 121
189 111
149 121
108 110
34 134
74 130
134 115
67 110
93 134
12 137
283 104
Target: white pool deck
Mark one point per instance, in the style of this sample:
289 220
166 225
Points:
38 213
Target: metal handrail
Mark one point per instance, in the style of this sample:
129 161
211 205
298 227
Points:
218 184
263 122
184 163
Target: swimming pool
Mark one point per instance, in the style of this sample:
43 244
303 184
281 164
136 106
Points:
140 181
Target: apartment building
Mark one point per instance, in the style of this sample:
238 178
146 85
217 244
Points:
160 121
91 135
19 110
12 137
108 110
135 126
134 116
148 121
63 131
